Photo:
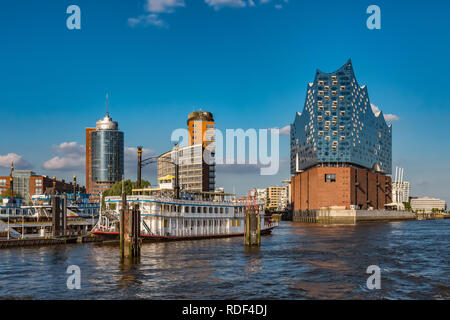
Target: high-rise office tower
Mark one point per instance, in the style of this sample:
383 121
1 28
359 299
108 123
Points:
340 149
104 156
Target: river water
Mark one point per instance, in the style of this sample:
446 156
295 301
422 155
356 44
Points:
298 261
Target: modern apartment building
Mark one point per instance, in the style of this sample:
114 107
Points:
426 204
104 156
195 174
197 170
277 198
340 149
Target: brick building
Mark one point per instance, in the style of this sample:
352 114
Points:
341 149
27 184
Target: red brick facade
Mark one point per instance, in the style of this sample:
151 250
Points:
352 186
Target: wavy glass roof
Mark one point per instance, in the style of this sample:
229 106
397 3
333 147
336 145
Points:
337 125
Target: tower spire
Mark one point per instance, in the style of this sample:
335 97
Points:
107 105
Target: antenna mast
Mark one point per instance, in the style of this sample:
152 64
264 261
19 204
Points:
107 105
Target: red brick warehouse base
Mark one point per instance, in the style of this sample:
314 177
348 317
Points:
340 186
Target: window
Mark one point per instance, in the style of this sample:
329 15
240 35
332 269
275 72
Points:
330 178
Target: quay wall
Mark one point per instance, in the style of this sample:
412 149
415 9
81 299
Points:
344 216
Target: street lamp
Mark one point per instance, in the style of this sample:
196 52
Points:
145 162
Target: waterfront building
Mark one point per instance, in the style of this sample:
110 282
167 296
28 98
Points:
427 204
400 189
261 195
104 156
27 184
194 174
341 151
277 198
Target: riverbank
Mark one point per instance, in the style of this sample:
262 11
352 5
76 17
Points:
47 241
343 216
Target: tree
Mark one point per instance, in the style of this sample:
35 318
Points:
407 206
7 194
128 185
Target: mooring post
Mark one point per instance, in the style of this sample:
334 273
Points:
64 216
122 223
56 213
252 235
129 231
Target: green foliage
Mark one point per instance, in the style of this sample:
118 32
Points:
128 185
7 194
407 206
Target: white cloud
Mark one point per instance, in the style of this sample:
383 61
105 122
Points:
70 148
147 20
64 163
163 6
72 157
19 162
284 131
219 4
155 9
388 117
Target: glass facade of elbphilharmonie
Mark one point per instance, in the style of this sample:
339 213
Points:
338 126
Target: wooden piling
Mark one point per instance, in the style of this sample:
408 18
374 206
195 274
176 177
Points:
252 235
56 213
122 223
129 231
64 216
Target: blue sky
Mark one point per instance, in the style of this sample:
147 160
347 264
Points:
248 62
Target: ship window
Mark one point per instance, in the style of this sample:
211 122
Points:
186 209
330 178
216 210
221 210
227 210
210 210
